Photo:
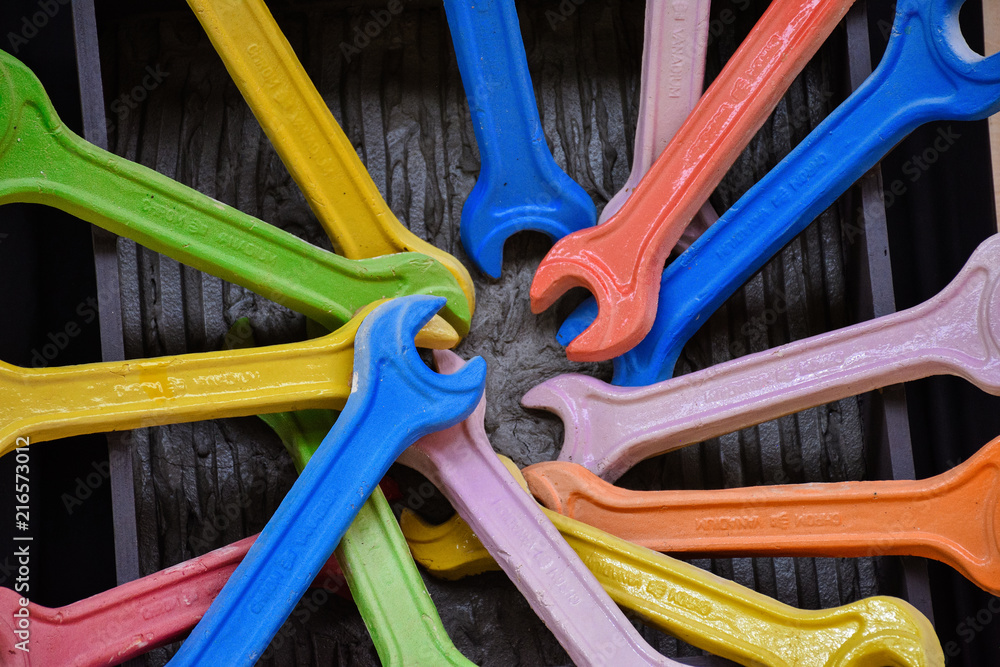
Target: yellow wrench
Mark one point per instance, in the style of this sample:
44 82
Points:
50 403
703 609
308 138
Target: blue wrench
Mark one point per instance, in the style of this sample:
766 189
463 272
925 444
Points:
520 185
928 73
396 399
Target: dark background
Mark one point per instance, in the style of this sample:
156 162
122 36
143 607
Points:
47 265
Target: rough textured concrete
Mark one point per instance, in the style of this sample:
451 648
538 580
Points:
401 102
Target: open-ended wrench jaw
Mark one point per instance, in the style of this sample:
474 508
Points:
392 327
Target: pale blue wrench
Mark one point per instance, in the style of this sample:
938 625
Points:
928 73
395 400
520 185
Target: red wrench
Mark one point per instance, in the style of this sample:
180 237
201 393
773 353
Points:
621 261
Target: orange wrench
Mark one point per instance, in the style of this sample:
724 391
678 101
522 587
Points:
621 261
952 518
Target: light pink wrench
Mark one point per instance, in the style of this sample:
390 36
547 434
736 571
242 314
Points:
129 620
511 525
609 429
673 74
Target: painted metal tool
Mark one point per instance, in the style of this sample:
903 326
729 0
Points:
703 609
43 162
385 583
620 261
49 403
461 462
308 138
129 620
928 73
950 517
609 429
671 83
520 185
395 400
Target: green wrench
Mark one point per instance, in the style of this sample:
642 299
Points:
384 581
43 162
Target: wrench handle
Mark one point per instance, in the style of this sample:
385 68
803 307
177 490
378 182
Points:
609 429
308 138
50 403
163 215
529 549
745 626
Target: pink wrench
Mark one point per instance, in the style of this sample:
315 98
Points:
511 525
673 74
609 429
129 620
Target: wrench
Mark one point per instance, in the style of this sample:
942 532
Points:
395 399
609 429
928 73
896 518
43 162
620 261
672 80
385 583
127 621
49 403
703 609
308 138
461 462
520 186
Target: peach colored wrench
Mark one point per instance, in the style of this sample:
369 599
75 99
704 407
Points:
608 429
951 517
621 260
673 73
460 461
128 620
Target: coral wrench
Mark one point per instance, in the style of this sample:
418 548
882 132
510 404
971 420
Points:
128 620
951 517
672 80
703 609
308 138
621 260
43 162
395 400
928 73
608 429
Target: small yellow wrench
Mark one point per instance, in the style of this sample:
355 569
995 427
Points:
49 403
308 138
705 610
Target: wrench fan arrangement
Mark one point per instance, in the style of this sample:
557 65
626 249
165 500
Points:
585 548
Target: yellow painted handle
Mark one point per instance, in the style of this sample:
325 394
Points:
49 403
703 609
308 138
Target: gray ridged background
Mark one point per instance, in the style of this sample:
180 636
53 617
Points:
401 103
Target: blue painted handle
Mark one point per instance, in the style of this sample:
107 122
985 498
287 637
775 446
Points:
520 186
396 400
928 73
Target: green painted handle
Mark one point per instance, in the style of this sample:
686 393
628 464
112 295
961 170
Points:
42 161
385 583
